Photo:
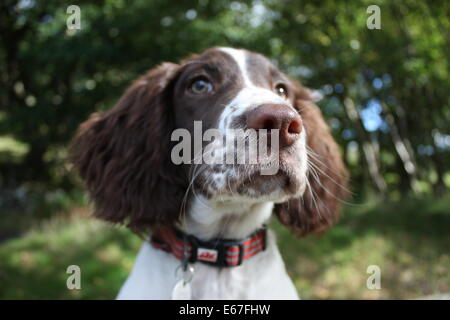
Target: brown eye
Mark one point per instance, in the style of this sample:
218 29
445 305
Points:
200 86
281 90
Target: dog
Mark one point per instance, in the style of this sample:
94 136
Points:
207 222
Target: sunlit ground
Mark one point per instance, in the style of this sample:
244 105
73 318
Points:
408 240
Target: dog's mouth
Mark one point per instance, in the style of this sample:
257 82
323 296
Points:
283 182
264 184
275 179
252 182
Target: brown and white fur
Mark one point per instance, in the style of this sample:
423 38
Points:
123 155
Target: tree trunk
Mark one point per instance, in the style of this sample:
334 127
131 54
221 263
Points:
369 148
405 154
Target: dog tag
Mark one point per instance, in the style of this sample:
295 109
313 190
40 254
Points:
182 291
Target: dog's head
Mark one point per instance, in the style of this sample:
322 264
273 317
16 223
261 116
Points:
126 155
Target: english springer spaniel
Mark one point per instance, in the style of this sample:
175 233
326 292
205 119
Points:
206 222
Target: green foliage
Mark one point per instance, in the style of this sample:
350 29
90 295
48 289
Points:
54 77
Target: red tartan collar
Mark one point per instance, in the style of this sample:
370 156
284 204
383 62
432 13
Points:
217 252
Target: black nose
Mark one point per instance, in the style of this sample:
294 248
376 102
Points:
276 116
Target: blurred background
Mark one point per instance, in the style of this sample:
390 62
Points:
385 96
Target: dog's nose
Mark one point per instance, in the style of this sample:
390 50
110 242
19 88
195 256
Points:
276 116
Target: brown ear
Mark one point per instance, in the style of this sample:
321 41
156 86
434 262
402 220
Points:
320 205
123 155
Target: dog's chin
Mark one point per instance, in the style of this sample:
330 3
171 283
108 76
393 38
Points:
275 187
256 187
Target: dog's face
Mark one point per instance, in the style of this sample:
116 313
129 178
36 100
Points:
125 155
227 90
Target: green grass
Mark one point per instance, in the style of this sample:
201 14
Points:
34 266
409 240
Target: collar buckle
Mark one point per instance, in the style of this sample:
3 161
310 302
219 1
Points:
190 239
241 254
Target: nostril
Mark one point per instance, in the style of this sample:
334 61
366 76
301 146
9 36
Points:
269 124
295 127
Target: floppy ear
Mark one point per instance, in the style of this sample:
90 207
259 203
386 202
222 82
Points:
320 205
123 155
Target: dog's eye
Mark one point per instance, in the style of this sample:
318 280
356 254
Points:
200 86
281 90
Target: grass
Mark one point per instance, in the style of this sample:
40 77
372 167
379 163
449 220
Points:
409 240
34 266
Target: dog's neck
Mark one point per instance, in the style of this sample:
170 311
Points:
209 219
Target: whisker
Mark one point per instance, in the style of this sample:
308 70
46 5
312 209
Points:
328 176
316 177
313 200
316 157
